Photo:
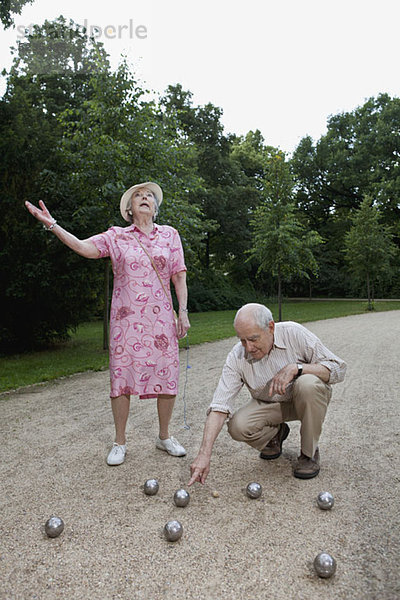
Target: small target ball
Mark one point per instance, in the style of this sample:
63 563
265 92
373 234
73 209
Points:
181 497
254 490
215 494
54 526
324 565
151 487
325 500
173 531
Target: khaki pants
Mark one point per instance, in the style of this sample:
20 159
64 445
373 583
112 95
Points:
257 422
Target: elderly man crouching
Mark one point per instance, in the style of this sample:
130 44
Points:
288 372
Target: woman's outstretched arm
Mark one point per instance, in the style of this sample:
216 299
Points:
85 248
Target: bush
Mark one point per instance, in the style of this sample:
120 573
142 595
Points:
217 292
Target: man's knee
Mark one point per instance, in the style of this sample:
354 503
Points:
309 389
241 430
236 429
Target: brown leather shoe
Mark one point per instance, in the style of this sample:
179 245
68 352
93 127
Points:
306 467
274 447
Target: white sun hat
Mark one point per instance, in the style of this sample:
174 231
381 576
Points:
126 196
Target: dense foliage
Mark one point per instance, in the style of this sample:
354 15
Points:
8 8
359 156
76 134
369 249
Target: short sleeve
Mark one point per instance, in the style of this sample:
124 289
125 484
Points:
177 257
102 242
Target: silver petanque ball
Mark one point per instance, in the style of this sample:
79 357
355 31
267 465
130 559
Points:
151 487
325 500
173 531
324 565
54 526
254 490
181 497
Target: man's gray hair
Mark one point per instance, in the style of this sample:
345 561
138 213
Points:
261 314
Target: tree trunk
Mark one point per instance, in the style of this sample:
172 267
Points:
207 256
106 302
369 293
310 289
280 296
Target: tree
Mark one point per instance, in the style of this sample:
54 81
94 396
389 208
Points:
251 157
369 248
282 244
358 156
231 169
10 7
202 128
39 278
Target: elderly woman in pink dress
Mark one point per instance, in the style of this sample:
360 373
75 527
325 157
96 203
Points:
144 352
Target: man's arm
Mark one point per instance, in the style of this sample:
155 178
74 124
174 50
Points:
315 358
229 385
281 380
200 467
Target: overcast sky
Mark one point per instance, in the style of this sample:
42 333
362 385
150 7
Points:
282 67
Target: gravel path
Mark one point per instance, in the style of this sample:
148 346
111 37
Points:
55 439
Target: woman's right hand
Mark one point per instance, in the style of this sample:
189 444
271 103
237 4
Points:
84 248
41 214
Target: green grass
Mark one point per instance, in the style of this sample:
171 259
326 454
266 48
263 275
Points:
212 326
83 352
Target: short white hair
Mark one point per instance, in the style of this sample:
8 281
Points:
261 314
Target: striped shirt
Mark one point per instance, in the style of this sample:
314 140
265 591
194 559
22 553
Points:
293 343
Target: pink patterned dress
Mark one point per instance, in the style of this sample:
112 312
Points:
144 352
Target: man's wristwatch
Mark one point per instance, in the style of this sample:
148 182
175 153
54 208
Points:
299 370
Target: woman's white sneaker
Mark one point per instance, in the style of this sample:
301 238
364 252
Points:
116 455
171 445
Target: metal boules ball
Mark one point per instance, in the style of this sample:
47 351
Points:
181 497
325 500
54 526
151 487
254 490
324 565
173 531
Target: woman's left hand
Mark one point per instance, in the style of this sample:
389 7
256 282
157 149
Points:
183 324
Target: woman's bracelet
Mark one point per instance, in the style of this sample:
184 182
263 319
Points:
50 227
183 310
